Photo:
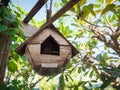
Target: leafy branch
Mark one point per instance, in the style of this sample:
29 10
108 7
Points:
101 35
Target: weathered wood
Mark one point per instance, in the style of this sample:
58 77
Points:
21 49
4 52
34 10
28 29
46 33
49 61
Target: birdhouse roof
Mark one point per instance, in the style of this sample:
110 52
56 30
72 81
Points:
21 49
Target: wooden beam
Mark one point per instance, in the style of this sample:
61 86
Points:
65 8
4 53
34 10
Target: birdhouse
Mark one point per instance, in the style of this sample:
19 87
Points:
47 51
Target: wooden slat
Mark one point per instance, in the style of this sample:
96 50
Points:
34 10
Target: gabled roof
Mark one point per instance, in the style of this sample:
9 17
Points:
21 49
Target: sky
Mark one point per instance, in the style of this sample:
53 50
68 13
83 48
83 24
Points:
27 5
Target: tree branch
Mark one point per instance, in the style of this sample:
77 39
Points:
101 35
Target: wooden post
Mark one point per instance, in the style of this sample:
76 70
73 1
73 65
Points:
4 53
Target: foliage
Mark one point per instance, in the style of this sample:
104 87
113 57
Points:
94 28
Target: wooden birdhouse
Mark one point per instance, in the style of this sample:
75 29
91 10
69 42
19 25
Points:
47 51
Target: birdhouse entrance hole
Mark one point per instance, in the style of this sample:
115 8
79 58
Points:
50 47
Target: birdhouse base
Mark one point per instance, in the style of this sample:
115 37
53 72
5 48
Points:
48 71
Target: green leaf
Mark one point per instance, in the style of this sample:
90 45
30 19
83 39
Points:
81 82
77 9
76 87
76 25
1 45
49 78
3 86
102 1
64 1
92 43
103 62
12 66
70 77
61 81
79 69
98 57
90 84
11 87
85 11
11 31
66 78
110 1
1 10
93 81
3 28
1 19
90 7
108 8
91 73
82 2
106 81
105 56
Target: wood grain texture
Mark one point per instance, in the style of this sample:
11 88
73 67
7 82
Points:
4 53
49 32
28 29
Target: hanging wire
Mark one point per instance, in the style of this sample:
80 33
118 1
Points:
48 9
46 6
51 5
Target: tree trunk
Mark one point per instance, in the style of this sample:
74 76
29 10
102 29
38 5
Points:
4 53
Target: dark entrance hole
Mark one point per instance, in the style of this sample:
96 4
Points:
50 47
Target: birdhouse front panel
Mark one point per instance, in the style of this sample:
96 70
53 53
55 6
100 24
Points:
36 53
48 50
41 37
